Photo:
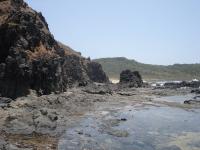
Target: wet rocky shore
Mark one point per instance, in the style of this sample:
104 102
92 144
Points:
26 120
51 97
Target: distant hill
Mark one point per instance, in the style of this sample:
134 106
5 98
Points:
113 67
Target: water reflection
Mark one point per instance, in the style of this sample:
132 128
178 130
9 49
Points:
149 128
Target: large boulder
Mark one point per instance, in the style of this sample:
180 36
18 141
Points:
131 78
30 57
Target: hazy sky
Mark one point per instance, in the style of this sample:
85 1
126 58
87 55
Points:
150 31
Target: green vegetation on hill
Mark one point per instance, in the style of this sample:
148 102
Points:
113 67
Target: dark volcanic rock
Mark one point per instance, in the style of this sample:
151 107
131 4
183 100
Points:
96 73
193 84
30 57
101 89
197 101
196 91
175 85
4 102
131 79
3 144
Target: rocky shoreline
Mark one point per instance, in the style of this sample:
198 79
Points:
51 115
47 87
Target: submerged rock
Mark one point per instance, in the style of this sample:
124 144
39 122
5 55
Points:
173 147
30 57
196 101
118 133
130 79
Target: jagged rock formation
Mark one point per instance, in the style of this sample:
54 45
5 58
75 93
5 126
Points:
30 57
131 79
96 73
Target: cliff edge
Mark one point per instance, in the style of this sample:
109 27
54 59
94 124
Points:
30 57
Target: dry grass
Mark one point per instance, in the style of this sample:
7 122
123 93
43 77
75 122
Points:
5 8
42 52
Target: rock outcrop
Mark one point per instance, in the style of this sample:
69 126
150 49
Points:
192 84
30 57
192 102
196 91
96 73
130 79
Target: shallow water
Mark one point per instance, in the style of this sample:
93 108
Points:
176 98
130 128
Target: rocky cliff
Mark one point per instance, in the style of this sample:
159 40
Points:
30 57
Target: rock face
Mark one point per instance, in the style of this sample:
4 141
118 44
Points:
132 79
96 73
30 57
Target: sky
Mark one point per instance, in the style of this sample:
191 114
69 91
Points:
150 31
